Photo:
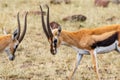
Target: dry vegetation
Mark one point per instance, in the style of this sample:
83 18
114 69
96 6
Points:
33 58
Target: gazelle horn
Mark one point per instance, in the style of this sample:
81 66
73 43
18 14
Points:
18 20
48 24
47 30
25 27
43 24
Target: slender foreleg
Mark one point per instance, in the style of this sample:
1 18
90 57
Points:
79 57
94 61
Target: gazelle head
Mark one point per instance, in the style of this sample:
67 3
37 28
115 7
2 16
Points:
53 36
16 39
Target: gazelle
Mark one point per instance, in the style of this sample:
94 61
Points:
10 42
84 41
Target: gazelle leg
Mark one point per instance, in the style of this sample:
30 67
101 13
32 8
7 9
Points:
94 61
79 57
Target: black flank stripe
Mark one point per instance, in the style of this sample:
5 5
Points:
106 42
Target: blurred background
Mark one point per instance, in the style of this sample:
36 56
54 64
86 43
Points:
33 58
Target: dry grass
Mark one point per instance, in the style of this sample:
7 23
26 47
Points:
33 58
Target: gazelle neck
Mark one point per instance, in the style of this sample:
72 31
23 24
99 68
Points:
77 38
70 38
4 41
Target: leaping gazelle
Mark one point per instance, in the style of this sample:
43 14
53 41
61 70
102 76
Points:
10 42
84 41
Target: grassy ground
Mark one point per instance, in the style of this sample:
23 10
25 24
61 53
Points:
33 58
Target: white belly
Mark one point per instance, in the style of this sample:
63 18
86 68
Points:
107 49
81 51
98 50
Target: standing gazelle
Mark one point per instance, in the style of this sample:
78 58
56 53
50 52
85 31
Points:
10 42
84 41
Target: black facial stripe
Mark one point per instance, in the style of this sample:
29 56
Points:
16 46
55 43
55 40
106 42
15 49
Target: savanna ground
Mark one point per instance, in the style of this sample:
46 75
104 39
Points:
33 59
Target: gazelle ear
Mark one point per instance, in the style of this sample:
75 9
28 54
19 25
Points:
59 30
4 31
15 34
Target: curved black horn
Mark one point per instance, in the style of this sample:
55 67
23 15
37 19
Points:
24 31
48 23
18 20
43 23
